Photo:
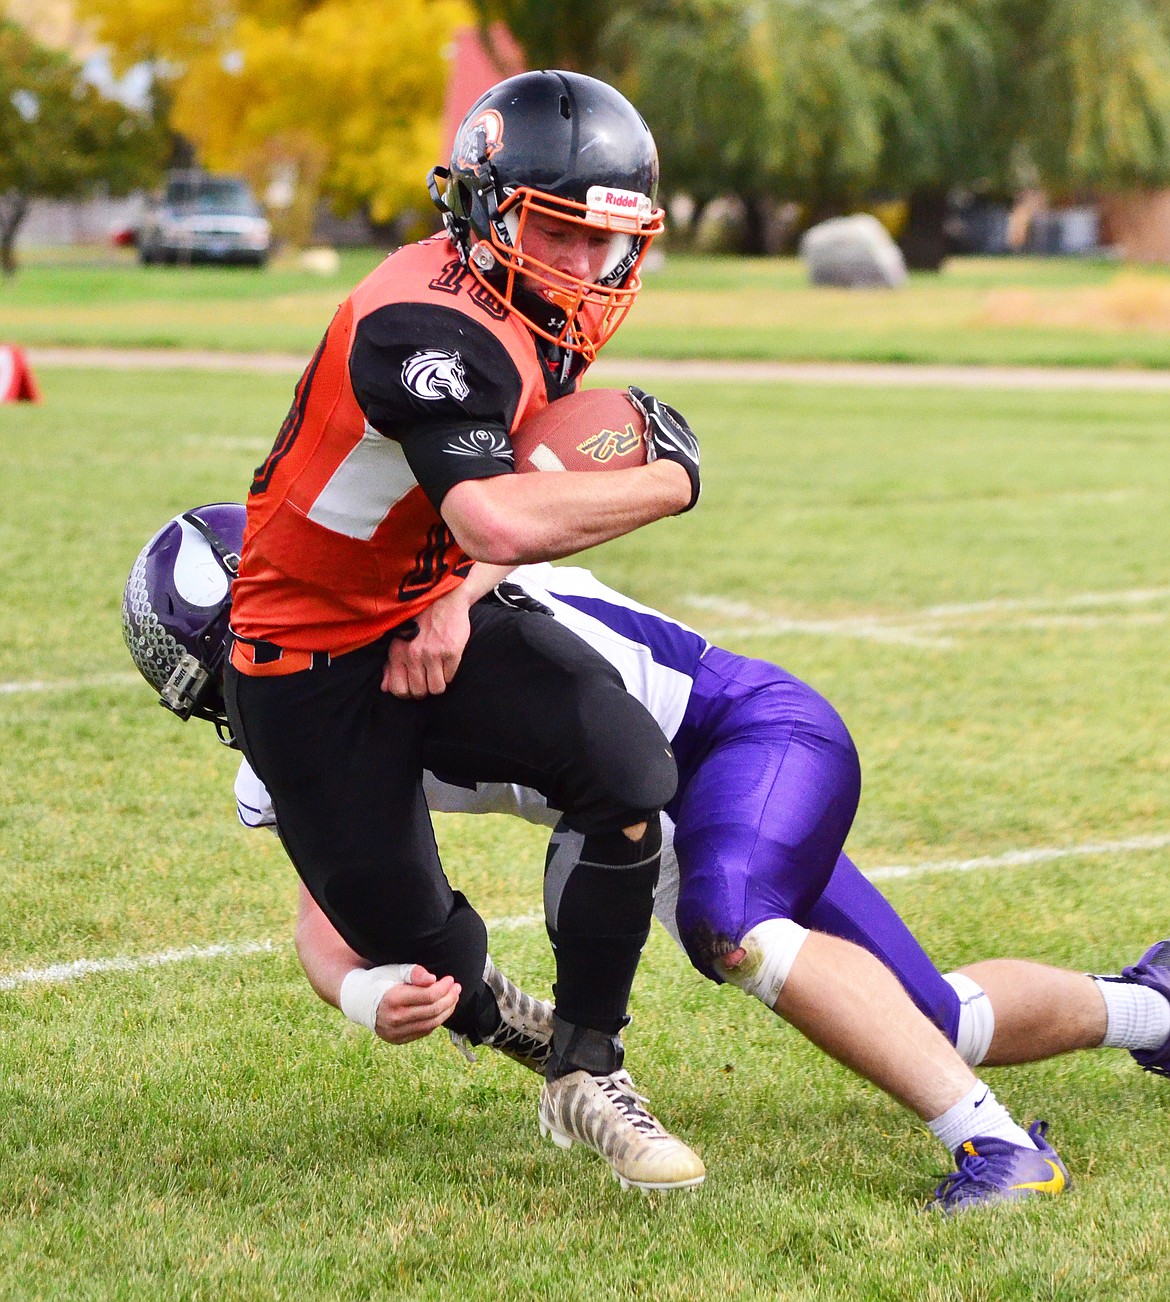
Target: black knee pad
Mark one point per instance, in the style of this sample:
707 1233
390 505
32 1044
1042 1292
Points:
603 876
625 766
617 850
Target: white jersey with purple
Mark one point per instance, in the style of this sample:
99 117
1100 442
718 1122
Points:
768 785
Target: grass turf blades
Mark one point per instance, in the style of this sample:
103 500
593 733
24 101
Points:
208 1129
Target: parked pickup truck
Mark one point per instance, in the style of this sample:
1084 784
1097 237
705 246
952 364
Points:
201 217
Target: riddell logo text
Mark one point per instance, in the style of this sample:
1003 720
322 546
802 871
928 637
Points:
621 200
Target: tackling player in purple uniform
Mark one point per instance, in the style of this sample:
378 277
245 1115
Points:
756 888
758 891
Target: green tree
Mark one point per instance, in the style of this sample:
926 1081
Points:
1091 91
824 96
554 33
827 102
345 94
59 137
691 68
946 68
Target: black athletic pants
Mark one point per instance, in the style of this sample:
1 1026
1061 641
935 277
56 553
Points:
532 704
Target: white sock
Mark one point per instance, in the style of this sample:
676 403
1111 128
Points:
978 1113
1136 1016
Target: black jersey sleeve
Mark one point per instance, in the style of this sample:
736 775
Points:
443 386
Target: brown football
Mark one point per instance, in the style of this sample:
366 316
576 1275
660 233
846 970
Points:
597 429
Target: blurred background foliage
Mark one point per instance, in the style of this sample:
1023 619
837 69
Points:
830 102
829 105
59 137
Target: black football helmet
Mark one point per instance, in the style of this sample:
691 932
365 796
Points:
570 147
176 606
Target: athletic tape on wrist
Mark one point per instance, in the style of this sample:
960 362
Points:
363 988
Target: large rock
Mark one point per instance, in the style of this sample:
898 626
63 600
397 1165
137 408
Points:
855 252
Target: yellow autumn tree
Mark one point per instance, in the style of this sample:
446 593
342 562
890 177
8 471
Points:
349 92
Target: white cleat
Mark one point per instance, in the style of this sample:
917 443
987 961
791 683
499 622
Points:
526 1024
526 1030
606 1114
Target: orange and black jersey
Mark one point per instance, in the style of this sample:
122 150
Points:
418 384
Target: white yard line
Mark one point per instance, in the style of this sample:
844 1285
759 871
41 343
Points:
932 627
56 973
1022 858
866 630
515 923
1126 620
750 619
67 684
84 967
1125 597
920 635
74 970
935 626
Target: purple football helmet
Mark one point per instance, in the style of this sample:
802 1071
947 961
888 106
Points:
176 606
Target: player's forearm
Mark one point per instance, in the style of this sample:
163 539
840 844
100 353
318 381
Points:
324 955
513 519
399 1002
482 579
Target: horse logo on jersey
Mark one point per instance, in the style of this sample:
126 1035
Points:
609 443
481 141
434 374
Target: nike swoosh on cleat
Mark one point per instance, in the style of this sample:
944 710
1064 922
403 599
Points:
1053 1186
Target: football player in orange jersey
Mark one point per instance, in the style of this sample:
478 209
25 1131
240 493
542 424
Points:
391 475
755 837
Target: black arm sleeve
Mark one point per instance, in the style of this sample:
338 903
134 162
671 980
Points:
443 386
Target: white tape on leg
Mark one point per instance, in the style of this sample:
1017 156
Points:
771 949
363 988
976 1018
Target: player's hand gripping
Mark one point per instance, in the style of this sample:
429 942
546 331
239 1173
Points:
427 650
668 437
413 1009
422 663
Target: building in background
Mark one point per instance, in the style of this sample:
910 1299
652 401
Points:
1137 225
476 66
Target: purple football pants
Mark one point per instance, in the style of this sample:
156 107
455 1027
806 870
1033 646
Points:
769 782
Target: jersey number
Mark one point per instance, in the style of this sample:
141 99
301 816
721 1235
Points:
431 565
452 280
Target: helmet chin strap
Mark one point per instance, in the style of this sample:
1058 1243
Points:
223 730
229 561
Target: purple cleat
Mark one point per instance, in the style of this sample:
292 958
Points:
1152 970
995 1171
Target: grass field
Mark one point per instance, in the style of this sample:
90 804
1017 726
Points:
983 311
977 579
